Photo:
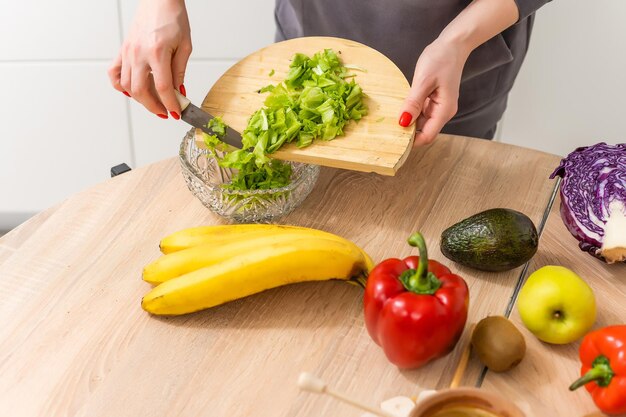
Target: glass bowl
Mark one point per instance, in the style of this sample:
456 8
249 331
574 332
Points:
205 178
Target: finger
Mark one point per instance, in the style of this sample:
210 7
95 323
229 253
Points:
420 122
142 92
414 102
425 114
432 126
419 125
179 66
440 109
429 107
162 73
115 73
421 119
125 74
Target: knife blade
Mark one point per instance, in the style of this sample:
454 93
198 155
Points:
197 117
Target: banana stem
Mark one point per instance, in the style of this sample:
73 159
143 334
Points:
359 281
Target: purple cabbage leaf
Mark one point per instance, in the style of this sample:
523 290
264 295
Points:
593 199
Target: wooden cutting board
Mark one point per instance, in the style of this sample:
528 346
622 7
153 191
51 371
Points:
377 143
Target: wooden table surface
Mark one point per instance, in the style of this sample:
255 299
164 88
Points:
542 379
74 340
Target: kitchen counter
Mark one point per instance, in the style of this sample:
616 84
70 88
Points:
74 340
542 379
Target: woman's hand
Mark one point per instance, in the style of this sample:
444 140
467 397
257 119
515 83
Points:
434 94
153 58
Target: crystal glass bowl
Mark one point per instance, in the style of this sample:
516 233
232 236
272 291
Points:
205 178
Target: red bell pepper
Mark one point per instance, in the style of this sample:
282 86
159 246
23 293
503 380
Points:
603 356
415 308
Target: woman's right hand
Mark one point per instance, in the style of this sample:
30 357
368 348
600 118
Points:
154 55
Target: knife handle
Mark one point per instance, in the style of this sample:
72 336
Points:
182 100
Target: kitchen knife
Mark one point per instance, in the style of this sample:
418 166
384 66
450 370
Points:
197 117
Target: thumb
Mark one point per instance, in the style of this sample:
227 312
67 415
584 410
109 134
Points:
179 66
414 103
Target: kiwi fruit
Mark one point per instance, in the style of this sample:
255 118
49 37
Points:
498 343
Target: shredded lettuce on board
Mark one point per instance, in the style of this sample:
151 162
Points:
315 101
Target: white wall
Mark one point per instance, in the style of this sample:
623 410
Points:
222 32
64 127
571 90
55 104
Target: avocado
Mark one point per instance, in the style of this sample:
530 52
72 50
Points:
498 239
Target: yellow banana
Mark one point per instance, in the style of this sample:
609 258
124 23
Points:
255 271
217 234
180 262
220 235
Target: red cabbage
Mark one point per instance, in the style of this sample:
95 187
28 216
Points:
593 199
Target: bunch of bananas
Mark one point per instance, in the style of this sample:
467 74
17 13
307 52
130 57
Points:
206 266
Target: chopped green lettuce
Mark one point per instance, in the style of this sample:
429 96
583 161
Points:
213 142
315 101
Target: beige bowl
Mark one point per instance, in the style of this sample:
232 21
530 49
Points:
465 402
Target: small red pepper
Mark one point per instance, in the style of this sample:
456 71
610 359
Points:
415 308
603 356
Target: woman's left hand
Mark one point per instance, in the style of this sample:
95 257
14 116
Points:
434 94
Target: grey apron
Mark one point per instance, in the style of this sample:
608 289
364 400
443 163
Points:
401 29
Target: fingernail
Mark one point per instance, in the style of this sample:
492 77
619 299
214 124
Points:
182 90
405 119
126 93
162 116
175 115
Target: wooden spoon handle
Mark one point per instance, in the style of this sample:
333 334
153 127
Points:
463 361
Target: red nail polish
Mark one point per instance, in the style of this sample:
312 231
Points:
175 115
405 119
162 116
126 93
182 90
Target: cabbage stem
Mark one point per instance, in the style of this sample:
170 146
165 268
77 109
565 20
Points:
614 242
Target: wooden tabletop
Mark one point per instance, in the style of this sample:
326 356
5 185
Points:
74 340
542 379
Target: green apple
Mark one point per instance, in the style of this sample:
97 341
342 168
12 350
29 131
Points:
556 305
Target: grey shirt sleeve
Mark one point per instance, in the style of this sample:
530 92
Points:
528 7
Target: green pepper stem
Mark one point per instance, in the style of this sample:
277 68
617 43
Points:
420 278
420 281
600 372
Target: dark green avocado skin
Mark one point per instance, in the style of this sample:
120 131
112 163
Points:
495 240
